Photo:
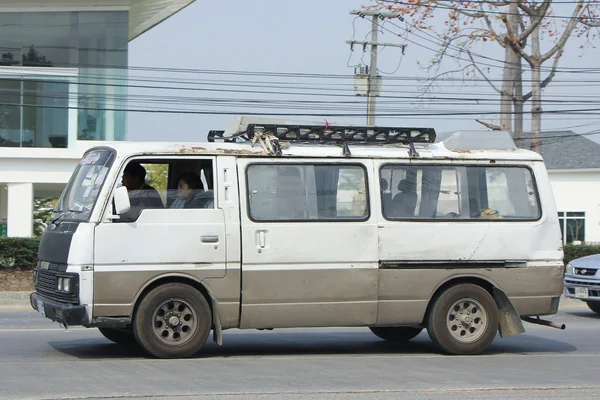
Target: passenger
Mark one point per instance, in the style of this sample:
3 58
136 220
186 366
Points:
190 192
141 195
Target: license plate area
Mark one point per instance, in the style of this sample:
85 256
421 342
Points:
581 292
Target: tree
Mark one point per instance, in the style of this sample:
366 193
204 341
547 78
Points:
518 26
157 176
42 210
34 59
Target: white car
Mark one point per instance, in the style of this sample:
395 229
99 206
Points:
582 281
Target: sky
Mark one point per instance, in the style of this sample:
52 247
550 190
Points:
271 36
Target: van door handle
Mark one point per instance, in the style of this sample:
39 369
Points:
261 239
209 239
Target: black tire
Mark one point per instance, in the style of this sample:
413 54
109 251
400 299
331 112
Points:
594 306
463 320
119 336
395 334
172 321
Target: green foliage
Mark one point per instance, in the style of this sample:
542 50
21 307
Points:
42 210
573 252
157 176
18 252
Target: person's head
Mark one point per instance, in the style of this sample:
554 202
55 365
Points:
406 186
188 183
134 176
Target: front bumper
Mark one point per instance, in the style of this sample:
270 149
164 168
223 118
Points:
66 314
582 288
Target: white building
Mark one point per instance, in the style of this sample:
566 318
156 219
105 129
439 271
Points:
573 162
63 80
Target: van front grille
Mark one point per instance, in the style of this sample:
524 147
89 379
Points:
46 283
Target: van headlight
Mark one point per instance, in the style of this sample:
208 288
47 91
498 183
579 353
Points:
569 269
64 284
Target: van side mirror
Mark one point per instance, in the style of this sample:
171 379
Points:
121 198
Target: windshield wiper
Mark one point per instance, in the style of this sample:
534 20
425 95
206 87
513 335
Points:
62 214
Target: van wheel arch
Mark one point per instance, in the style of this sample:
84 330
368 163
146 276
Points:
485 284
216 322
509 320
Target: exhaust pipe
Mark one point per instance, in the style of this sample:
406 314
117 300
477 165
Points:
544 322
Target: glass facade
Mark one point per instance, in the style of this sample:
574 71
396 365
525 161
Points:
34 107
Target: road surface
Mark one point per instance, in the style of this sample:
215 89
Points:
40 360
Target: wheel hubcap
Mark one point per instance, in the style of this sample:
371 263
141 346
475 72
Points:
175 321
467 320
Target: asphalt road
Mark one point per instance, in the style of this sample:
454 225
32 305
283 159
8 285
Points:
39 360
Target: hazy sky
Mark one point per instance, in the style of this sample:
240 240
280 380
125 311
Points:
274 36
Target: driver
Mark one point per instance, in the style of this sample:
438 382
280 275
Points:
141 195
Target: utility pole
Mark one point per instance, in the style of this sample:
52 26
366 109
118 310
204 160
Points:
373 80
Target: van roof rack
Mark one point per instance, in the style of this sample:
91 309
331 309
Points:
329 133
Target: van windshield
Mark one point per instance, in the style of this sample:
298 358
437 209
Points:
79 197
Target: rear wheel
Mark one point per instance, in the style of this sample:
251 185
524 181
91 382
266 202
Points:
594 306
397 334
120 336
172 321
463 320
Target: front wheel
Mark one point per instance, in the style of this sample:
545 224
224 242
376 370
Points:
172 321
397 334
594 306
463 320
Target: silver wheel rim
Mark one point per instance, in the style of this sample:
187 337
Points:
174 321
467 320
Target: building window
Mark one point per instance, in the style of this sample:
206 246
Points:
95 43
572 226
307 192
34 112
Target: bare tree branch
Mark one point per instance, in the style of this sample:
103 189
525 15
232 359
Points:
479 14
433 80
474 64
517 47
575 19
488 125
590 24
491 27
550 76
537 16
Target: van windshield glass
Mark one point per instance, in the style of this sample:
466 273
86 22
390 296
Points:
79 197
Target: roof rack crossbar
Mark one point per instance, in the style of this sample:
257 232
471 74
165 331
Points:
328 133
215 135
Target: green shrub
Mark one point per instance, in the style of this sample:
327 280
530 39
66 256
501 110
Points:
18 252
573 252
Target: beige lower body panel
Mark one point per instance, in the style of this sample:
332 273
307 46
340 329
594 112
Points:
116 292
404 294
310 315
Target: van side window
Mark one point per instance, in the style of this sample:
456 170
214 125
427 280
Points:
168 184
466 192
307 192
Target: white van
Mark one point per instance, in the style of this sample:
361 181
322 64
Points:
275 225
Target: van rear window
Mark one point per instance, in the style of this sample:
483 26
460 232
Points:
307 192
463 192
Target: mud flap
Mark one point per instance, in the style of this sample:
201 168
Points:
508 317
217 328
